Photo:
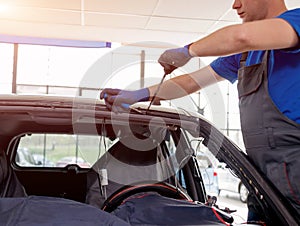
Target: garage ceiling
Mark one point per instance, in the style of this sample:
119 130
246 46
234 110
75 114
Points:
125 21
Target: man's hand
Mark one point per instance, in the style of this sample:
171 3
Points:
116 98
174 58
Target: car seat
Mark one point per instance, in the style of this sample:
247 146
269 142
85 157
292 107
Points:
124 166
10 186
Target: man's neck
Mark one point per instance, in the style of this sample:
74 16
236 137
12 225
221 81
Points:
276 9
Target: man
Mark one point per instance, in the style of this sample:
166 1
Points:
268 85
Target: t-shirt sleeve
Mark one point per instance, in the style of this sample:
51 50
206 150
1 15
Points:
227 67
293 18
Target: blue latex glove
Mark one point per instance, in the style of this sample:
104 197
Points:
174 58
116 98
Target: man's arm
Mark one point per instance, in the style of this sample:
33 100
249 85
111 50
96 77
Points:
266 34
171 89
185 84
257 35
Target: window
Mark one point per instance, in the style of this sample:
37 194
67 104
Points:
6 67
59 150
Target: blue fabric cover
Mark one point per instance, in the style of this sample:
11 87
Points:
41 211
154 209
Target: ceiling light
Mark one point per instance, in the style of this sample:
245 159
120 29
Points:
3 7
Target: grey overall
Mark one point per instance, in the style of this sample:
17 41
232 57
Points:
271 139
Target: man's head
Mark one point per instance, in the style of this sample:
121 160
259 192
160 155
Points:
251 10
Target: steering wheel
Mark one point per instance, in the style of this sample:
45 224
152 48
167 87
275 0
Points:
164 189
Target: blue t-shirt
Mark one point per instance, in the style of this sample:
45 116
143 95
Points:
283 71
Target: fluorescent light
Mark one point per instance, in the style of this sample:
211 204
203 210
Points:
3 7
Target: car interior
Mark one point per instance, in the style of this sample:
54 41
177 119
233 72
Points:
130 160
73 182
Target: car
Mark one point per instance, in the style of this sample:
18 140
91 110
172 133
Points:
209 174
24 157
228 181
143 166
41 160
72 160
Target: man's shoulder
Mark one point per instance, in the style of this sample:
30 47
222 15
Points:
291 12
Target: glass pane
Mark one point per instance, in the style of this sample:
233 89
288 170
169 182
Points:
57 66
6 67
219 180
59 150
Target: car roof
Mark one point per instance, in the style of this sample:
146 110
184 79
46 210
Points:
57 100
44 108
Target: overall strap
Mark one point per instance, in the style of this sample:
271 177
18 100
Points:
243 59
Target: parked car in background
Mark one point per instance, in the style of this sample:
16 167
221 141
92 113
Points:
72 160
24 157
142 161
209 174
228 181
42 161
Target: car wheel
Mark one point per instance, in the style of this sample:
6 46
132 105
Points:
243 193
